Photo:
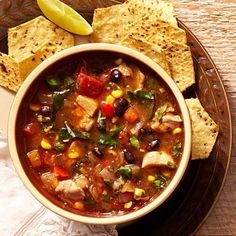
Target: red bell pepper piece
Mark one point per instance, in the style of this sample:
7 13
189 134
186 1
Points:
89 86
60 171
108 110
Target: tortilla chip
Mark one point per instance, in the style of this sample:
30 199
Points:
154 28
161 9
28 64
204 130
9 73
148 49
25 39
178 54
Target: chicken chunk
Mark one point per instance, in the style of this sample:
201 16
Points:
90 105
125 70
168 122
73 188
49 180
86 123
158 158
138 79
107 175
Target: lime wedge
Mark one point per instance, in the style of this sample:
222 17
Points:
65 17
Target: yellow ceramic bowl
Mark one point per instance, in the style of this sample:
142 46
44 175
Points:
14 142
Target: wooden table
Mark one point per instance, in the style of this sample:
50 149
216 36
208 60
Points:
214 24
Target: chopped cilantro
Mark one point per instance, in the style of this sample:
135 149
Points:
176 151
125 172
160 182
160 112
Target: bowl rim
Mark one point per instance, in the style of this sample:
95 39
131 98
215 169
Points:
114 219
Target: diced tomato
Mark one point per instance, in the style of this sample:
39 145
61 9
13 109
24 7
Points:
131 115
108 110
89 86
124 137
60 171
29 129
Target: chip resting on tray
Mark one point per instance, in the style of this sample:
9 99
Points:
9 73
154 52
204 130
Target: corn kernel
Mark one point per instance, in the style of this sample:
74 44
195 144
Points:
117 93
73 154
138 193
104 192
177 131
45 144
151 178
162 90
110 99
34 107
82 171
79 205
127 205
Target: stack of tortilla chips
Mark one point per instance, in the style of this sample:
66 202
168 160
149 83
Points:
150 26
30 44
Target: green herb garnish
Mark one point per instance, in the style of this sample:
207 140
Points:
107 140
176 151
68 133
134 142
160 182
58 99
106 198
53 81
160 112
125 171
171 165
145 95
69 81
59 146
89 201
115 130
64 135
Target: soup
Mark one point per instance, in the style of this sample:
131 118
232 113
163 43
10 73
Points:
103 134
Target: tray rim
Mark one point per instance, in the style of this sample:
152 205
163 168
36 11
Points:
230 124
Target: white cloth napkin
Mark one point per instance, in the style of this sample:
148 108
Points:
22 215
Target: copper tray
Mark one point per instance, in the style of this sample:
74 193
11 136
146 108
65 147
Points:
188 207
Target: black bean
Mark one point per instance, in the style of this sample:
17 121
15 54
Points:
46 110
154 144
146 131
116 75
97 152
121 106
129 157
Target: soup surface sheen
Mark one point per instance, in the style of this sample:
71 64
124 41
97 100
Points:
102 134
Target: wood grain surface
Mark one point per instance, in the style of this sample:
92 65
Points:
214 24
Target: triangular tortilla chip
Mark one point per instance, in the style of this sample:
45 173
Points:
9 73
204 130
25 39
